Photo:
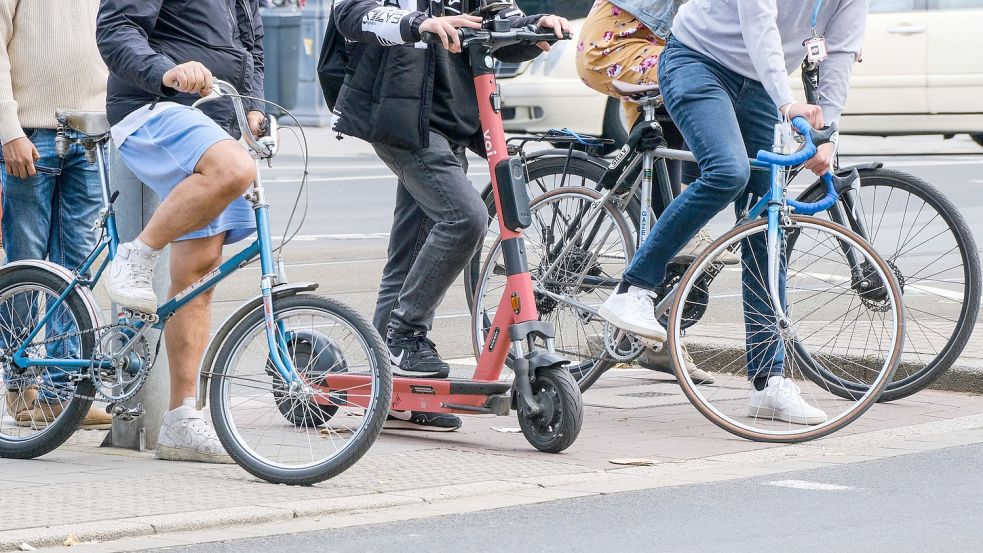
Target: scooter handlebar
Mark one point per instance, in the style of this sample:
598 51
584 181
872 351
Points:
496 39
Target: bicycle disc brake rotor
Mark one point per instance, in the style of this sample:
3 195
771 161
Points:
621 346
128 372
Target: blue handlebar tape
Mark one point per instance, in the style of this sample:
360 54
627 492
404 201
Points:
797 158
822 205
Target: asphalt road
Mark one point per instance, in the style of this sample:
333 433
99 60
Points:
916 503
353 193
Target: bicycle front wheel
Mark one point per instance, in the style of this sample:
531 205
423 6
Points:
301 431
931 250
839 332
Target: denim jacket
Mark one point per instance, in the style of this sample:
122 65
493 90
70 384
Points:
655 14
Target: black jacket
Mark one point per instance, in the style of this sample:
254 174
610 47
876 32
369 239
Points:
140 40
388 88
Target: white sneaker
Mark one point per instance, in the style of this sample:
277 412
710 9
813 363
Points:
186 436
634 311
129 280
697 245
782 400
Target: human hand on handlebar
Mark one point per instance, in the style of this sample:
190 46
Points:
560 26
821 163
812 114
191 77
256 120
446 28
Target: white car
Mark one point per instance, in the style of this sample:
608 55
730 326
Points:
922 73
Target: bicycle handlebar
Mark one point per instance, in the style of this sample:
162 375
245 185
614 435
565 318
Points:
814 138
499 39
264 147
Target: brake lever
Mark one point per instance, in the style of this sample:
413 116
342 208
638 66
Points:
215 94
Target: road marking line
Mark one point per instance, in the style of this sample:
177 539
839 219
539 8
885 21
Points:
806 485
353 236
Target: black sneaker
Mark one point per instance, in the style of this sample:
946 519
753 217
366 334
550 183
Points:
424 422
415 355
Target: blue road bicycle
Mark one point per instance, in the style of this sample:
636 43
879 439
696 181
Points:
781 293
261 374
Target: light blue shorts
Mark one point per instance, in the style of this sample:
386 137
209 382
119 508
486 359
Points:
166 150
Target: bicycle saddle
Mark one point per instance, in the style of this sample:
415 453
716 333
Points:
90 123
636 91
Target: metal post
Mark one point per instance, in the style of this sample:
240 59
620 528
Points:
134 207
311 109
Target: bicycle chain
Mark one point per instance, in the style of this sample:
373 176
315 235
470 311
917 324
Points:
150 360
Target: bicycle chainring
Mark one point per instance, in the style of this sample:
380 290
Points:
621 346
129 371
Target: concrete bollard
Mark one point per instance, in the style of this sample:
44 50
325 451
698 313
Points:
134 207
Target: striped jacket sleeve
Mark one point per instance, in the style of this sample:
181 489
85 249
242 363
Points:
371 21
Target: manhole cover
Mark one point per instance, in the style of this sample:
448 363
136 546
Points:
646 394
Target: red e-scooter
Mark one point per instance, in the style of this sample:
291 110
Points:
545 395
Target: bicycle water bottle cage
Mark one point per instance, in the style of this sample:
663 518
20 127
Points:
510 175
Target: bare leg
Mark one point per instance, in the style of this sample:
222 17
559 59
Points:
186 334
221 176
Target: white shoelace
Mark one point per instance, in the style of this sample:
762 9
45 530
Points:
644 306
141 267
785 387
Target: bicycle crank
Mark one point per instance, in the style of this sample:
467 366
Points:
125 414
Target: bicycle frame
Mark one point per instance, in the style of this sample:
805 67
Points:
261 247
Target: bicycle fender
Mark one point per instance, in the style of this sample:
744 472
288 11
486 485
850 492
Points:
230 322
88 298
554 152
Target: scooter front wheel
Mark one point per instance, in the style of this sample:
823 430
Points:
558 425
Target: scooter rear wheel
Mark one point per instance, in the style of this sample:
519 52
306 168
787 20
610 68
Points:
558 426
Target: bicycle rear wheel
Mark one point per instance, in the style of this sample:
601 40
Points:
43 407
931 250
304 432
853 337
577 250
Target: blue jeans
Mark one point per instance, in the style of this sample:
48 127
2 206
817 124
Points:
48 216
724 118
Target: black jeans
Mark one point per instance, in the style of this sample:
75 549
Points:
438 225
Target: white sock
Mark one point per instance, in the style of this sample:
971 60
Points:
143 248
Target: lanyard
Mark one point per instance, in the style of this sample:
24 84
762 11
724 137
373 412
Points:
815 15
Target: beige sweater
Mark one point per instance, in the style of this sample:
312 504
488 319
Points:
49 61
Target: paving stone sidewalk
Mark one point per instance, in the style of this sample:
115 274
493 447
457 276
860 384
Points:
101 494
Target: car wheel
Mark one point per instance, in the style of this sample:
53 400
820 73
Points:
978 138
615 124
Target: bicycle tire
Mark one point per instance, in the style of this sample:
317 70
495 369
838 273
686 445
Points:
375 414
536 171
64 425
584 374
692 390
963 237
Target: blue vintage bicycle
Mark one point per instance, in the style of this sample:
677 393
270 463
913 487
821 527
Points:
262 371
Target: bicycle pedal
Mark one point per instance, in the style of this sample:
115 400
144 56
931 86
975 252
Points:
150 318
126 414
